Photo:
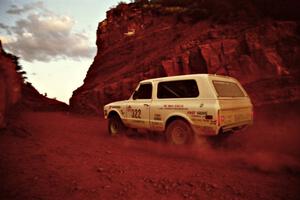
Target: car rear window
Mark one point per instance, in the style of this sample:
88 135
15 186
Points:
228 89
177 89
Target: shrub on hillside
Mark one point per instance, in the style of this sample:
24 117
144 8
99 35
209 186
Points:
228 10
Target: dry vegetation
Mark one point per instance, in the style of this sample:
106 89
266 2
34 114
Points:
225 10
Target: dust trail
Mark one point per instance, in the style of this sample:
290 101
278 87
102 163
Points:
270 145
270 162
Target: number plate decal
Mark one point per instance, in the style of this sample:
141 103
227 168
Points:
136 113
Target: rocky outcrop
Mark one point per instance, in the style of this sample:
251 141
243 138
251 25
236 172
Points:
33 100
10 84
135 43
16 95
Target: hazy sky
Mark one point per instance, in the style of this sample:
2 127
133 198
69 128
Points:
55 40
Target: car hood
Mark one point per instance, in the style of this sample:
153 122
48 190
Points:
116 103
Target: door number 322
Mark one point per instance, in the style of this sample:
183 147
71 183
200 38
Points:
136 113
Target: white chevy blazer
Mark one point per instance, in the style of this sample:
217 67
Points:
183 107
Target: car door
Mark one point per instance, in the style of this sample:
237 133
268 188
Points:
138 109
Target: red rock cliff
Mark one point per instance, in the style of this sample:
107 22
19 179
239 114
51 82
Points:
17 95
139 41
10 84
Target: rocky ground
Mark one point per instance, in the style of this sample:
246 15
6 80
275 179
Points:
57 155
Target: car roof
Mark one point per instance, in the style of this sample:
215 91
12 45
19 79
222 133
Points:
180 77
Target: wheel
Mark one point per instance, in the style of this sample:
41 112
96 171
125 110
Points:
179 132
115 125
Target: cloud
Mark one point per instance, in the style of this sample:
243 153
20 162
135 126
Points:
6 28
5 39
45 36
3 26
17 10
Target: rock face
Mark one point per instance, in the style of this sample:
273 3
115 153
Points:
15 95
10 84
139 41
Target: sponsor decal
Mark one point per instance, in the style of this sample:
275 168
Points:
191 112
201 113
136 113
200 120
128 109
158 125
174 107
198 114
157 117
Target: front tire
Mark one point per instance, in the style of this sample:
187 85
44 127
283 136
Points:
115 125
179 132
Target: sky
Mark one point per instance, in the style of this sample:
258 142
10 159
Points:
55 40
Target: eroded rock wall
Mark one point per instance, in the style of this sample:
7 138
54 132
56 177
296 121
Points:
10 84
135 43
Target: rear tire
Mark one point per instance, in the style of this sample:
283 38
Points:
179 132
115 125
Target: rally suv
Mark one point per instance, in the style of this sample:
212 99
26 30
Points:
183 107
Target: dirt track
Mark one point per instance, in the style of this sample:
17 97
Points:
63 156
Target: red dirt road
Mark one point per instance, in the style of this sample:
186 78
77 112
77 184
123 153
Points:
61 156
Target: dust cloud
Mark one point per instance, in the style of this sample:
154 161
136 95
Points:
271 145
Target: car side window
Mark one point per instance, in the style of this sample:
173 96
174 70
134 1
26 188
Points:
144 92
177 89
